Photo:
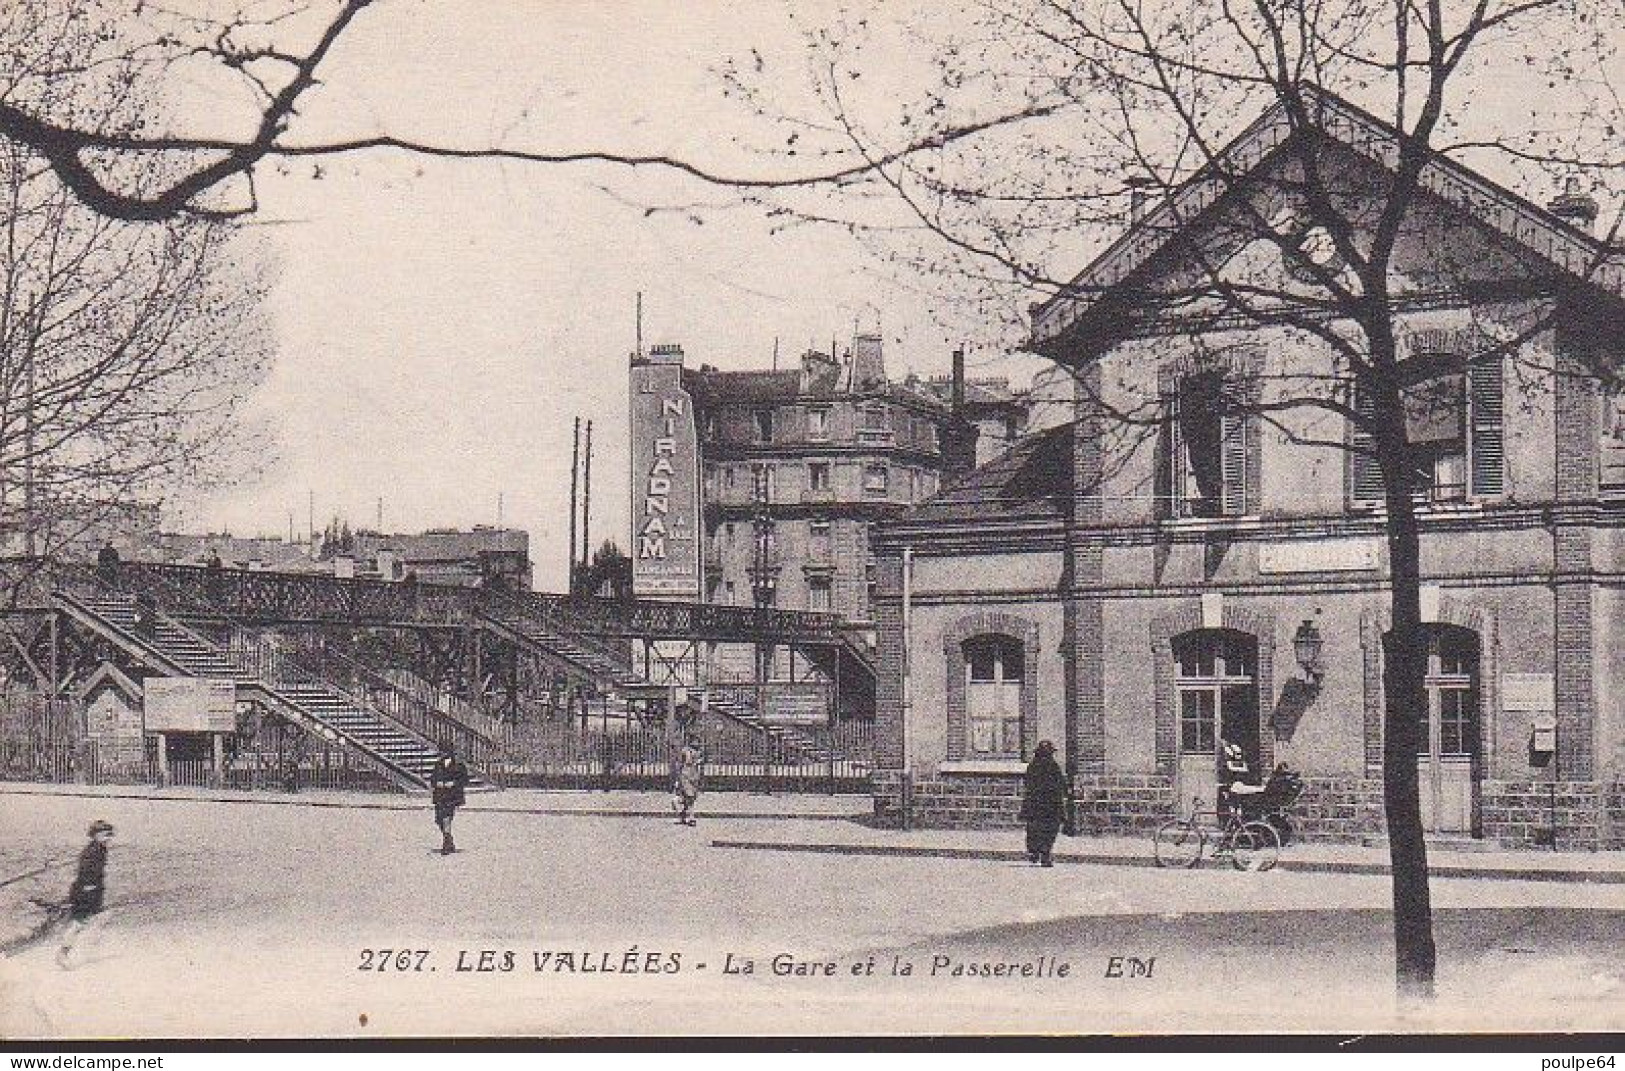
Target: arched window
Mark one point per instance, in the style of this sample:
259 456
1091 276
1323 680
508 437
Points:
995 667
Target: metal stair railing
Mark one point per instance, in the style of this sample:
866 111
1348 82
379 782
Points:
726 697
246 675
274 671
400 705
516 612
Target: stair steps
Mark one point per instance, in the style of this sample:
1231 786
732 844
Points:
324 705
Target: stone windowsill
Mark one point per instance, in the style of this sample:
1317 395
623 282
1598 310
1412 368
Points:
983 766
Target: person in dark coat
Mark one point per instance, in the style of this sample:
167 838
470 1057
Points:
1043 803
87 894
447 781
107 565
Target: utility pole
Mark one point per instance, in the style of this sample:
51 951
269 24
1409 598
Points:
29 504
640 324
575 470
586 500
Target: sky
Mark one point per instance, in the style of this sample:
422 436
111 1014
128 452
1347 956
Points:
441 323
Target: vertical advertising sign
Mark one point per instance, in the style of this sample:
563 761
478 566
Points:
666 529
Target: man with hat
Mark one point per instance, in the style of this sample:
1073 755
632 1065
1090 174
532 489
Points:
447 782
86 895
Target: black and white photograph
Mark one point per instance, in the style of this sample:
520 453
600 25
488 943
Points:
1066 519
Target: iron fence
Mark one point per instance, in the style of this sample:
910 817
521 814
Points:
608 752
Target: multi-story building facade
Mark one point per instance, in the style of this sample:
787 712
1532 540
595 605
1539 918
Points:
796 467
1225 577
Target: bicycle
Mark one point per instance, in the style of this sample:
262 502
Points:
1252 843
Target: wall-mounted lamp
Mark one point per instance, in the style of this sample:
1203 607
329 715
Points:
1306 645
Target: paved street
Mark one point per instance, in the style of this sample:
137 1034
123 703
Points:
247 918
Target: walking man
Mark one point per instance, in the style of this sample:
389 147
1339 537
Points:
86 896
447 782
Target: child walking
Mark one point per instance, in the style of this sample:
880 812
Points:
87 894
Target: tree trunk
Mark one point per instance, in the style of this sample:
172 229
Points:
1405 655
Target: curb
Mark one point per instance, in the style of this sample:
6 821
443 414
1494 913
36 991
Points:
366 805
1302 866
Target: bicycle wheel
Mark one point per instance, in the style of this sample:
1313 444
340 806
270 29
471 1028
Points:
1255 847
1179 843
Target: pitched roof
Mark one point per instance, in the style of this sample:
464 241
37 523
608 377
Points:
1516 218
1031 479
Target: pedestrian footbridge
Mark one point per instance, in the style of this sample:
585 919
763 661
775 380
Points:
385 673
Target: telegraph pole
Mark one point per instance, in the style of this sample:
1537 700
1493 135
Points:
575 470
586 500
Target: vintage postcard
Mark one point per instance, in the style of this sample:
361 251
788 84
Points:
523 519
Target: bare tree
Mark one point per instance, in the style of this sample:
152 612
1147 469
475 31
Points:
1266 202
272 59
126 353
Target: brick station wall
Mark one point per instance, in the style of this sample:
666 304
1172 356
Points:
1339 808
1515 813
1119 804
1590 815
1615 828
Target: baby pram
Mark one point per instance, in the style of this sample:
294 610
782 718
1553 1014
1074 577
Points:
1280 792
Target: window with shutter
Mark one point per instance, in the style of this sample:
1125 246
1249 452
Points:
1365 475
1207 467
1611 467
1233 463
1487 444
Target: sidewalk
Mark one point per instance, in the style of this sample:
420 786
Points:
620 803
1006 845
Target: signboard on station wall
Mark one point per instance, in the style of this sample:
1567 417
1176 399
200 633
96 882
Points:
666 529
799 704
189 705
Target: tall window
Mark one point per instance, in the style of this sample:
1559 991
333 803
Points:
1454 423
763 479
1205 449
818 593
818 424
994 669
875 479
818 541
764 425
1215 677
1611 470
818 476
876 423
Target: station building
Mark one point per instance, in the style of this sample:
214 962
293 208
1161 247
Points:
1139 598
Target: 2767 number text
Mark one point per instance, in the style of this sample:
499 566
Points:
393 959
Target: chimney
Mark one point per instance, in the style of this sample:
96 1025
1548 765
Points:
959 434
868 366
819 371
1139 195
1577 209
666 353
